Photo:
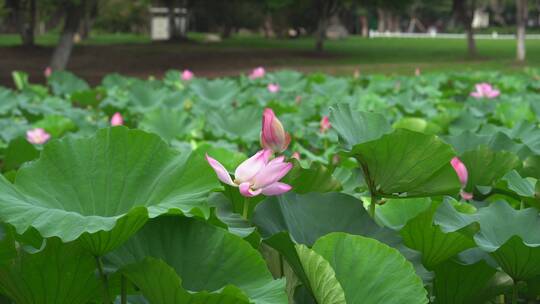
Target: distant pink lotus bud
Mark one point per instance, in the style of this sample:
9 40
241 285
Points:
187 75
485 90
417 72
296 155
463 176
117 119
325 124
256 175
298 99
258 72
461 170
37 136
273 135
47 72
273 87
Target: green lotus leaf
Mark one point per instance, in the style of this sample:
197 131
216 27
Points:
18 152
205 257
509 235
243 124
168 123
356 127
407 164
214 93
435 245
316 178
60 273
395 213
370 271
65 83
104 187
290 219
160 284
486 166
457 283
321 276
56 125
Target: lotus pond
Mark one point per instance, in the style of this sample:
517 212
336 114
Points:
271 188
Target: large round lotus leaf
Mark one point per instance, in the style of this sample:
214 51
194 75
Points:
322 278
290 219
486 166
160 284
457 283
511 236
408 164
436 246
104 187
356 127
235 124
60 273
214 93
168 123
369 271
205 257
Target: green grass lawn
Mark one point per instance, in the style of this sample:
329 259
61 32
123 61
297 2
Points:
380 55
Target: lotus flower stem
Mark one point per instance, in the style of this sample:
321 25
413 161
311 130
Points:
372 205
123 290
106 296
245 208
515 293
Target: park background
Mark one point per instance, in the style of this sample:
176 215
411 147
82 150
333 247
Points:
222 38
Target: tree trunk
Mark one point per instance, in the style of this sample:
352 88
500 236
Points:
62 52
25 29
521 21
321 34
464 13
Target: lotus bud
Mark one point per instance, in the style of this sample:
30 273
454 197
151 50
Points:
273 135
117 119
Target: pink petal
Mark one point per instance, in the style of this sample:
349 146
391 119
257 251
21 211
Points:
220 170
476 94
250 167
466 195
187 75
272 173
276 189
461 170
37 136
273 135
325 124
246 191
117 119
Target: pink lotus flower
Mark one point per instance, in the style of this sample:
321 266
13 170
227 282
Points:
47 72
258 72
325 124
273 135
273 87
296 155
463 176
187 75
117 119
258 174
37 136
485 90
417 72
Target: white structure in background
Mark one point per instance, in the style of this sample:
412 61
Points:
336 29
480 19
160 28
